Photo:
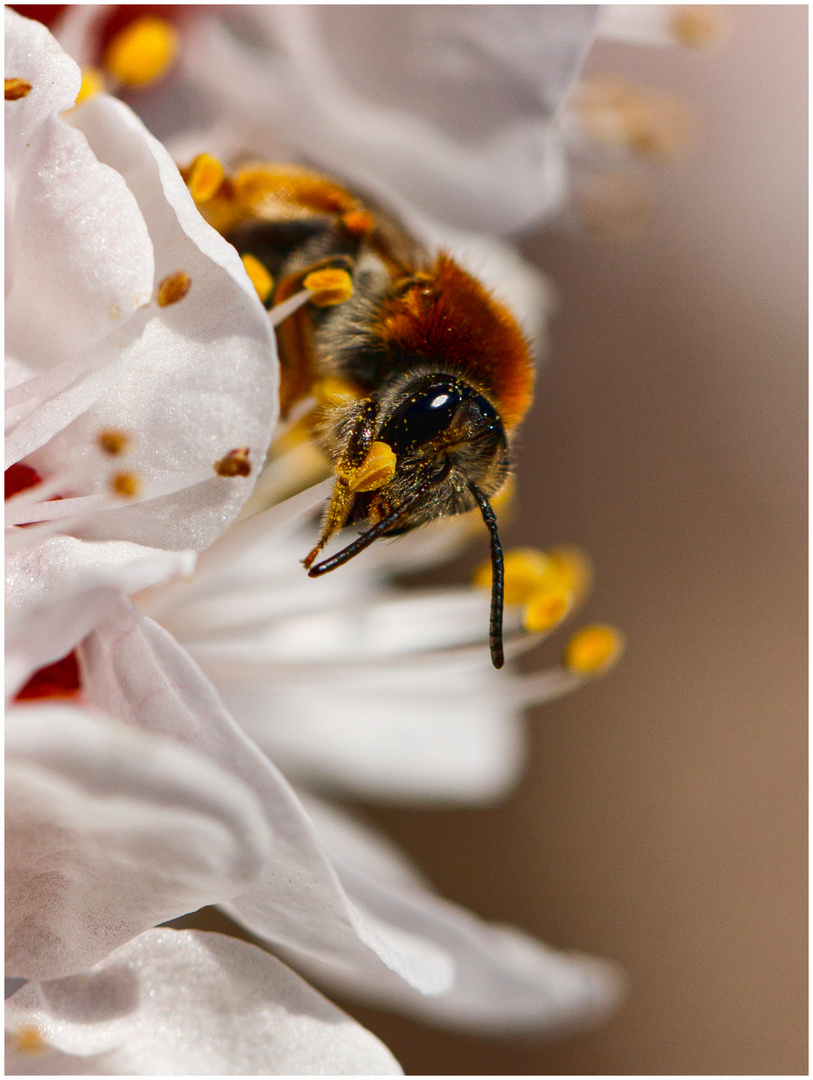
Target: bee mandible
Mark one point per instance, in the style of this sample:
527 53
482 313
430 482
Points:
436 373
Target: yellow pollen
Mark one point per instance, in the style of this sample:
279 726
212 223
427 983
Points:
527 572
358 222
92 84
333 390
329 286
260 278
126 485
593 649
142 52
377 469
574 569
697 26
16 89
545 609
617 112
29 1040
173 288
235 463
203 177
113 442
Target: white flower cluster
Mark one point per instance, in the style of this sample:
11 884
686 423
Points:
162 661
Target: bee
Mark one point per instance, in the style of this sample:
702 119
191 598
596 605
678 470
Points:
436 372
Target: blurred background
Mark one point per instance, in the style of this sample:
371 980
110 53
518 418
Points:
662 818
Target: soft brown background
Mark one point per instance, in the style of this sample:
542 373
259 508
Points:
662 818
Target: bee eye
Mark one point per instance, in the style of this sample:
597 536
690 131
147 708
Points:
421 417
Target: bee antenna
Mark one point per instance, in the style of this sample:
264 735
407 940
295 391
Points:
380 527
497 578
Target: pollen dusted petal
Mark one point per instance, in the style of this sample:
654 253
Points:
593 650
142 52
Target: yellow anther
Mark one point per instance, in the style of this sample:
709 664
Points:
203 177
142 52
358 222
92 84
127 485
113 442
235 463
334 390
617 112
593 649
16 89
329 286
260 278
574 569
377 469
698 25
173 288
527 572
29 1040
545 609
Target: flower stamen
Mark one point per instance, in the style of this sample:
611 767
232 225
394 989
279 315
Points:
127 485
593 650
93 83
29 1040
16 89
173 288
113 442
619 114
698 25
259 276
329 286
142 52
203 177
235 463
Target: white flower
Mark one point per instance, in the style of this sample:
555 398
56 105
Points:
450 108
184 1003
97 219
152 789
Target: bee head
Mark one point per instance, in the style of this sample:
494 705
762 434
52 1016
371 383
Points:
451 455
440 426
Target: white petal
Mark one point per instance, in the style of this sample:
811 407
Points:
134 670
109 831
416 733
185 1003
82 258
202 378
449 106
505 981
57 591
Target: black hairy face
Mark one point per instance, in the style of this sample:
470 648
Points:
446 435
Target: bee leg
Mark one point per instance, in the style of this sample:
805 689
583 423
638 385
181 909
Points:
346 468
